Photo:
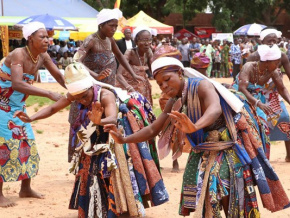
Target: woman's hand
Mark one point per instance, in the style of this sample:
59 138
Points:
138 79
268 110
54 96
115 133
22 116
105 73
182 122
95 115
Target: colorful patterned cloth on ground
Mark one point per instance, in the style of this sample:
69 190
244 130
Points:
237 166
138 176
19 158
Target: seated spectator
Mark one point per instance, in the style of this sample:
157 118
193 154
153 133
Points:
65 60
63 48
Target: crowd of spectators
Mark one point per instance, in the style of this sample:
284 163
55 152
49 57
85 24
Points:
225 57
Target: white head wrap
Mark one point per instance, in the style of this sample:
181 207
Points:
109 14
268 53
165 61
31 27
141 28
267 32
77 78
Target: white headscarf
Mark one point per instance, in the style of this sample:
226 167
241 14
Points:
165 61
141 28
268 53
78 80
267 32
109 14
31 27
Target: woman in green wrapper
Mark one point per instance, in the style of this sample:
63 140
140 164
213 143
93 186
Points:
227 153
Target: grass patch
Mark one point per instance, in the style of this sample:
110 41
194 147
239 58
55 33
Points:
156 96
39 131
40 101
157 111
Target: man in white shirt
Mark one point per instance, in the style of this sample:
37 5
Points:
126 42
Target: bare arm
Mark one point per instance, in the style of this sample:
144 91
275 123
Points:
19 85
211 102
45 112
54 71
244 82
120 70
277 79
123 61
82 53
146 133
285 63
108 101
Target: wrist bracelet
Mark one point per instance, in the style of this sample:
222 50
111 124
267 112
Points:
257 102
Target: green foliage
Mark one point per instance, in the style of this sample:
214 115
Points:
227 13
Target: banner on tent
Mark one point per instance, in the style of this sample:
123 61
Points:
46 77
222 36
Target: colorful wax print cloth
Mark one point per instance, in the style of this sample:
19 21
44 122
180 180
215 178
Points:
92 163
112 179
96 61
19 158
279 121
229 166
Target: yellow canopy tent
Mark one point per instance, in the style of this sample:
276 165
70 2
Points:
90 27
142 19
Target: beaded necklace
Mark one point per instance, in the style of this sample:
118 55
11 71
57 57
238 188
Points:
102 42
141 64
34 60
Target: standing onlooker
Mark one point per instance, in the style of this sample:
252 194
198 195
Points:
184 50
208 50
126 43
193 47
174 42
236 58
247 49
225 50
217 59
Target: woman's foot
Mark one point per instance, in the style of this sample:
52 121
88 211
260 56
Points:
4 202
30 194
175 167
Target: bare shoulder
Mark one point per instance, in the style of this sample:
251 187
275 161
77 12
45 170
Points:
253 57
89 41
16 56
107 95
284 58
205 86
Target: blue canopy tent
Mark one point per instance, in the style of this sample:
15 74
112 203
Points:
61 8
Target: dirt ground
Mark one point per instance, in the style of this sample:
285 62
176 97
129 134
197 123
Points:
56 183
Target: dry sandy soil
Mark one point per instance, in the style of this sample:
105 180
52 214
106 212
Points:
56 183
